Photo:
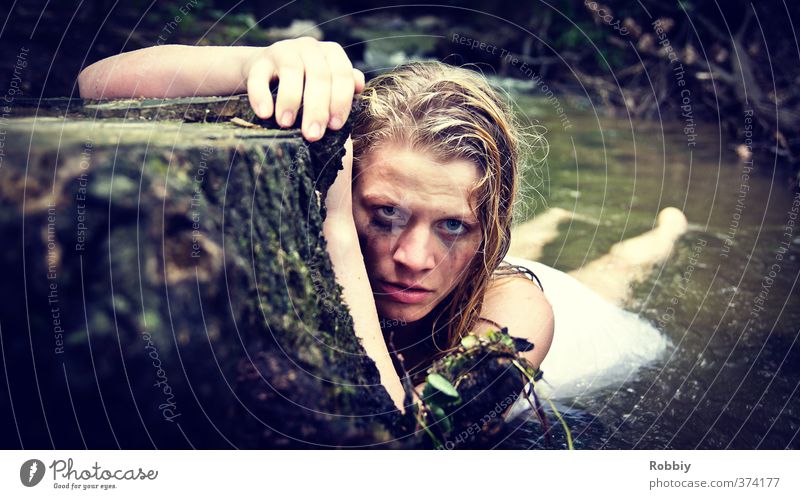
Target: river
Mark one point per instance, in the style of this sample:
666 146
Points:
726 299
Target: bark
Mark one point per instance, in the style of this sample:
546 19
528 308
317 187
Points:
166 284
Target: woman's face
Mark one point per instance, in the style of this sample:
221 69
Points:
417 228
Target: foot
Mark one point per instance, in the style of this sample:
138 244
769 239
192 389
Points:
672 220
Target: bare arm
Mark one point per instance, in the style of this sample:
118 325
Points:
520 305
317 74
348 264
167 71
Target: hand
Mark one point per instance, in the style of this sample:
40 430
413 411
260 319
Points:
317 73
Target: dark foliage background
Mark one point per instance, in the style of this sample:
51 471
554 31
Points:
737 54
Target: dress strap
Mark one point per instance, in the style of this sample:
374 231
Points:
506 269
490 321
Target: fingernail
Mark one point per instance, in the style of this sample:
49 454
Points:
286 118
314 130
336 122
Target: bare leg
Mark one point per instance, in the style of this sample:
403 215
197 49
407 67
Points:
612 275
630 261
528 239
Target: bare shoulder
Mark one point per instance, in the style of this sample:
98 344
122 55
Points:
518 303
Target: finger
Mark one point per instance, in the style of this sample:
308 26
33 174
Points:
342 85
360 81
290 87
347 160
258 93
317 92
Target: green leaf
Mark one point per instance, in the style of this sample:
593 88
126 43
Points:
492 335
442 418
440 383
469 341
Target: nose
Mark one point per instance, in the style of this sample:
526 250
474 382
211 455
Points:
413 249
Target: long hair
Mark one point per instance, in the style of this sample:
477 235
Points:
451 113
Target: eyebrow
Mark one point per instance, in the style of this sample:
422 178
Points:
380 198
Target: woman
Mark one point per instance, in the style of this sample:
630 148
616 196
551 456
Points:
426 194
436 158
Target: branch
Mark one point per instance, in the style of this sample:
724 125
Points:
712 28
745 23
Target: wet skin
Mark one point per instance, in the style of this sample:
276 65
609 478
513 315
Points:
417 230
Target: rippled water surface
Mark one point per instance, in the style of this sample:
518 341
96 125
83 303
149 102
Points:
727 297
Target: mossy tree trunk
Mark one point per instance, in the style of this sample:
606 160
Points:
166 283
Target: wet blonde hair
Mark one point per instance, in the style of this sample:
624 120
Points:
451 113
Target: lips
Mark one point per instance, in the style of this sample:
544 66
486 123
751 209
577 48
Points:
403 293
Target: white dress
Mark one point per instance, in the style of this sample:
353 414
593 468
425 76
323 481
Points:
595 343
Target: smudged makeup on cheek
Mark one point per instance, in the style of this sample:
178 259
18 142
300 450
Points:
416 226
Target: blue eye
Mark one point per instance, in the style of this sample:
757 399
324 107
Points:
388 211
388 216
455 227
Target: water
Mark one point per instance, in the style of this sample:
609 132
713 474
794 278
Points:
727 297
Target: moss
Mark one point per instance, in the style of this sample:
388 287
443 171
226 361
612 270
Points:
220 288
